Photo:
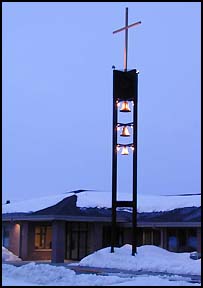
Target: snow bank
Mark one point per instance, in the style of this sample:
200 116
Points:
148 258
9 256
49 275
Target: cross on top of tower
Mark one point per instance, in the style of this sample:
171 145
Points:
126 27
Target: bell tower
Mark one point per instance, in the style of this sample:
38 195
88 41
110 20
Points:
125 96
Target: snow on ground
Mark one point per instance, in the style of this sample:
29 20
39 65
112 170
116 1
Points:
9 256
7 281
34 274
146 203
45 274
148 258
156 281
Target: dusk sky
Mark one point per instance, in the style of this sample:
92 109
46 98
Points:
58 88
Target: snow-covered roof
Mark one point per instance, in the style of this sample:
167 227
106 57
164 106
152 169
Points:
146 202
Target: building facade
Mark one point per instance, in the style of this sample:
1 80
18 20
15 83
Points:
65 231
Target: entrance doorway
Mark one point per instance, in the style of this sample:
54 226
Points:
76 240
107 237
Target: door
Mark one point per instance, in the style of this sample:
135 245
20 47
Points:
76 240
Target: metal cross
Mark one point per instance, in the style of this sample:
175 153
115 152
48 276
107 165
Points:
126 27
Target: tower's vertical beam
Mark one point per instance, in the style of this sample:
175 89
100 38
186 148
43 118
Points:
135 129
114 167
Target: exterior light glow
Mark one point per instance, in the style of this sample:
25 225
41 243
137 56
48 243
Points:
117 148
117 103
125 107
133 148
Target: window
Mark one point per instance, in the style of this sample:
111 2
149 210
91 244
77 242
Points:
5 234
192 240
43 237
119 238
156 237
172 240
139 237
147 237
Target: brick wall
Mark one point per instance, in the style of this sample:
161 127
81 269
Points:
14 238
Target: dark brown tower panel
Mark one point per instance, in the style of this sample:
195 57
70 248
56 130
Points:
125 88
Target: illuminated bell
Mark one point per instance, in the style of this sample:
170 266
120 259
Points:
125 107
125 132
125 151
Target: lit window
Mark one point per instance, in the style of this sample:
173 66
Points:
43 237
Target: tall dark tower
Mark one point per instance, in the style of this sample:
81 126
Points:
125 91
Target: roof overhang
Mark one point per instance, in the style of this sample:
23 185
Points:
124 222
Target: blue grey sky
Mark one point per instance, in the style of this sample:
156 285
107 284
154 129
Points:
57 96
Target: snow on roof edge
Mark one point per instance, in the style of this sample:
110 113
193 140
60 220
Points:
146 203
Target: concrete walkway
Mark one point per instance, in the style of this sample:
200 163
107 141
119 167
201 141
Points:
129 273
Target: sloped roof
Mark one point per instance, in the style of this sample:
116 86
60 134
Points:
68 208
92 199
186 214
